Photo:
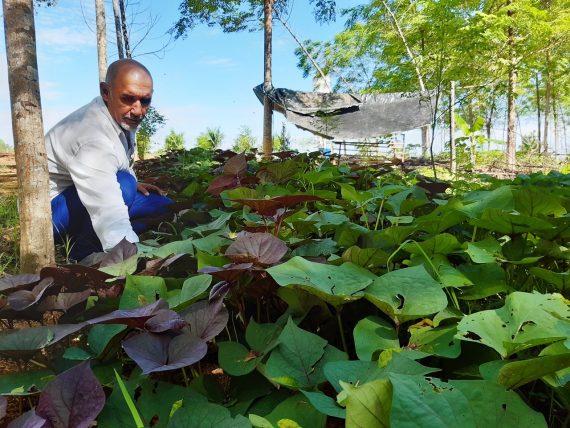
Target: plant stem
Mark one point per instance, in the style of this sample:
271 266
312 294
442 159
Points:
342 338
186 382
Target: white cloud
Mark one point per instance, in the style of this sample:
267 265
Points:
65 39
217 61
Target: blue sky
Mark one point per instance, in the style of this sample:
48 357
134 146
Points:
204 80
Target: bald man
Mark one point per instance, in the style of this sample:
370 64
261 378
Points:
96 199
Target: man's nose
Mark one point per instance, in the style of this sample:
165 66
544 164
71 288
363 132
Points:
137 108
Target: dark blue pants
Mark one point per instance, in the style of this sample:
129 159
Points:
71 221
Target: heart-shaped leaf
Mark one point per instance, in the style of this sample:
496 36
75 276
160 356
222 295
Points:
262 249
73 399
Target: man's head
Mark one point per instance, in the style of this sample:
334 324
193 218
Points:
127 92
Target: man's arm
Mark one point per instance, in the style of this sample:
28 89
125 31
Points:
93 170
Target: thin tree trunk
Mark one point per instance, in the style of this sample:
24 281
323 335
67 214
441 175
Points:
101 39
547 103
125 30
267 81
539 121
556 130
472 147
117 15
511 98
36 234
453 154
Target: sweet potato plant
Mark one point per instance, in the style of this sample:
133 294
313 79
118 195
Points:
298 292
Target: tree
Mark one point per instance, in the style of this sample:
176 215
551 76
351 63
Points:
245 141
36 233
174 141
152 121
238 15
282 141
4 147
211 139
101 39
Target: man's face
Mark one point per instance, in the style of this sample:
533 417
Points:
128 97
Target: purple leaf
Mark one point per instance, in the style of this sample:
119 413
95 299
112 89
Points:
23 299
259 248
221 183
161 352
15 281
230 272
269 207
76 276
208 318
63 301
164 320
28 420
73 399
236 165
135 318
93 259
120 252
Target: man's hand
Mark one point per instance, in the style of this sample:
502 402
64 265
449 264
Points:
145 189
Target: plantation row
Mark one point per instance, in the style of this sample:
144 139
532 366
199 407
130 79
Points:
302 293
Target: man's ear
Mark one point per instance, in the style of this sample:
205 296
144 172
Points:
104 90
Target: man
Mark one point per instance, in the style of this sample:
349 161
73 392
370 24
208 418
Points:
94 192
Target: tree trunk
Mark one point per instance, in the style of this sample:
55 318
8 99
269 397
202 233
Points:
36 233
267 83
472 146
511 97
125 30
547 103
453 154
117 15
557 148
101 39
539 121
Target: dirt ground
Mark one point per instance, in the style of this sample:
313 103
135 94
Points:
8 182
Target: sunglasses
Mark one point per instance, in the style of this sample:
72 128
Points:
131 99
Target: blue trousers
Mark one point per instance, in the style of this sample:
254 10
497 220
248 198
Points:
71 220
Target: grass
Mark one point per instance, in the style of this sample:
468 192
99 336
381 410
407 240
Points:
9 235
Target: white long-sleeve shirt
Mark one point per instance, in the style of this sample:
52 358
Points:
87 149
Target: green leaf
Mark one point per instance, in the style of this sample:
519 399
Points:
510 223
349 193
192 289
325 404
262 337
236 359
130 403
142 290
488 279
326 220
75 353
438 341
334 284
205 259
386 239
516 374
321 247
206 415
319 177
500 198
347 234
561 377
299 409
536 202
486 251
175 247
101 334
367 405
451 277
217 224
407 294
372 334
368 258
442 218
526 320
561 280
211 244
292 362
440 244
25 383
124 268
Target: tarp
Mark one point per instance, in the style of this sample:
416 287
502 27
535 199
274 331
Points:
340 117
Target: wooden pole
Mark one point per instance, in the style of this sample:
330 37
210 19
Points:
267 83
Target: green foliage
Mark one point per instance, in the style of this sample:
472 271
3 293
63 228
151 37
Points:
211 139
174 141
152 121
245 140
9 242
5 148
450 309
